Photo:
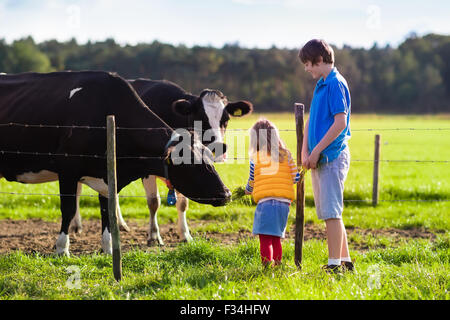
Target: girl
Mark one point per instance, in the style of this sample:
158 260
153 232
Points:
273 174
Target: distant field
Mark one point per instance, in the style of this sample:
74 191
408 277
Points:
414 198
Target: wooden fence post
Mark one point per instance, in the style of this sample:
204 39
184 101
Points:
376 170
112 197
300 204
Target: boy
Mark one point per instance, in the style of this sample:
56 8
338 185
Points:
325 148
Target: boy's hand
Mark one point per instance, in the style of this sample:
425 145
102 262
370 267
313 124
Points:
247 193
305 162
312 160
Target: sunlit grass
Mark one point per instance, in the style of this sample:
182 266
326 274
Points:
412 195
414 269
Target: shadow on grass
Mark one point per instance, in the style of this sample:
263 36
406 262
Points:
414 195
356 199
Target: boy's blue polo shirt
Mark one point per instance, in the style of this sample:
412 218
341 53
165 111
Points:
331 97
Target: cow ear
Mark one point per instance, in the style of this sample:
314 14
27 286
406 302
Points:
239 109
167 156
182 107
178 157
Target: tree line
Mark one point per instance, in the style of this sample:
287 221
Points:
412 78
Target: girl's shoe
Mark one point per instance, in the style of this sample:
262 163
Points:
276 263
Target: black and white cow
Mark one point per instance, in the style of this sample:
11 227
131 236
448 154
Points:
63 99
181 109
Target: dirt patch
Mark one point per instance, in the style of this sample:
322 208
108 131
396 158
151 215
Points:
35 235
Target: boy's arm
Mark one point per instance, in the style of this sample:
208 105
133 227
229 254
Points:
305 144
340 122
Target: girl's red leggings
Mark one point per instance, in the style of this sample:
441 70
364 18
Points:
270 248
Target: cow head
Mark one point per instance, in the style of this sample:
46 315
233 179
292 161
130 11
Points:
213 111
191 171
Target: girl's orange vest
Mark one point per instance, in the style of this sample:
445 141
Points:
272 179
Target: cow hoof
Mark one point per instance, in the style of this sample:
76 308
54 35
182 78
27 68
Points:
187 238
124 227
62 245
62 252
76 229
76 225
107 242
155 242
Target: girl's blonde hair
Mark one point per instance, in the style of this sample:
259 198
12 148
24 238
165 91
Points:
265 138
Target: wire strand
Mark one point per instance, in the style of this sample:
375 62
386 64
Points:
10 124
96 156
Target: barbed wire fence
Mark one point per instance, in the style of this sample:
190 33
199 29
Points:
111 158
103 156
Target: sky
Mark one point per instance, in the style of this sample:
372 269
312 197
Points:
249 23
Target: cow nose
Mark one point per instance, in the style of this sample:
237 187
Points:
223 201
228 195
220 158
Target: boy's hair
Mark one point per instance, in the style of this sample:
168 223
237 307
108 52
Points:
264 137
314 49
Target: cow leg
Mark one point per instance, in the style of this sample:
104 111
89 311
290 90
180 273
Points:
153 203
100 186
68 189
106 233
183 229
122 224
75 224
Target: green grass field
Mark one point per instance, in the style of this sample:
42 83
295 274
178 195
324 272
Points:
412 195
208 270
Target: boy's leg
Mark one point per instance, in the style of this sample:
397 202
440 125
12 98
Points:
315 182
334 239
344 251
266 249
277 250
331 181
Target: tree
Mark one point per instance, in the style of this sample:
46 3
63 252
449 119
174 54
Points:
414 77
26 57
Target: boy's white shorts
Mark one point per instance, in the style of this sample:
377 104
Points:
328 186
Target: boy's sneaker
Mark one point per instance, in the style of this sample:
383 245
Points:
331 269
348 266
